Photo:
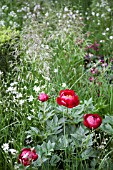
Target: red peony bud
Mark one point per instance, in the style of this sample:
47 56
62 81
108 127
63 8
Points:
92 120
27 155
43 97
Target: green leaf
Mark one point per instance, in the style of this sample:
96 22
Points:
54 160
34 129
107 128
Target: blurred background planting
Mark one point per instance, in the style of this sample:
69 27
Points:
47 46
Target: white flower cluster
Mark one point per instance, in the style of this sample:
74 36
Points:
6 149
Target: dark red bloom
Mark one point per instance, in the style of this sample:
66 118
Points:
93 46
92 120
43 97
68 98
27 155
91 79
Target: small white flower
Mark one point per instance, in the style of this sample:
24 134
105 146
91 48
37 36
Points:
77 11
30 99
66 9
107 29
29 117
11 89
36 7
103 33
1 72
73 16
102 15
109 10
13 151
65 29
18 95
5 147
46 78
2 23
4 7
93 13
21 102
14 83
42 45
25 87
111 37
46 47
55 70
36 89
46 14
97 14
64 16
102 41
63 84
33 110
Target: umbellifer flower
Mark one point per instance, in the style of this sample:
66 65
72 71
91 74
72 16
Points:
27 155
43 97
92 121
68 98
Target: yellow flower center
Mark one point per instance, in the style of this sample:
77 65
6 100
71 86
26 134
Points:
68 96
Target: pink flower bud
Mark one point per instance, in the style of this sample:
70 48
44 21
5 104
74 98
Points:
43 97
92 121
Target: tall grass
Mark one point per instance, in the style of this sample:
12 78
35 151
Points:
52 56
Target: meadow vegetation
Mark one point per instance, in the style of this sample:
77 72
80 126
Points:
56 83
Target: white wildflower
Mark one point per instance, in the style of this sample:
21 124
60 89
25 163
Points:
107 29
97 14
11 89
18 95
102 41
4 7
46 14
102 15
14 83
5 147
93 13
21 102
36 89
109 10
13 151
66 9
29 117
2 23
111 37
63 84
33 110
1 73
25 87
103 33
77 11
55 70
64 16
30 99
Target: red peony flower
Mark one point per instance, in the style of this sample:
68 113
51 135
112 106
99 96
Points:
68 98
27 155
92 120
43 97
